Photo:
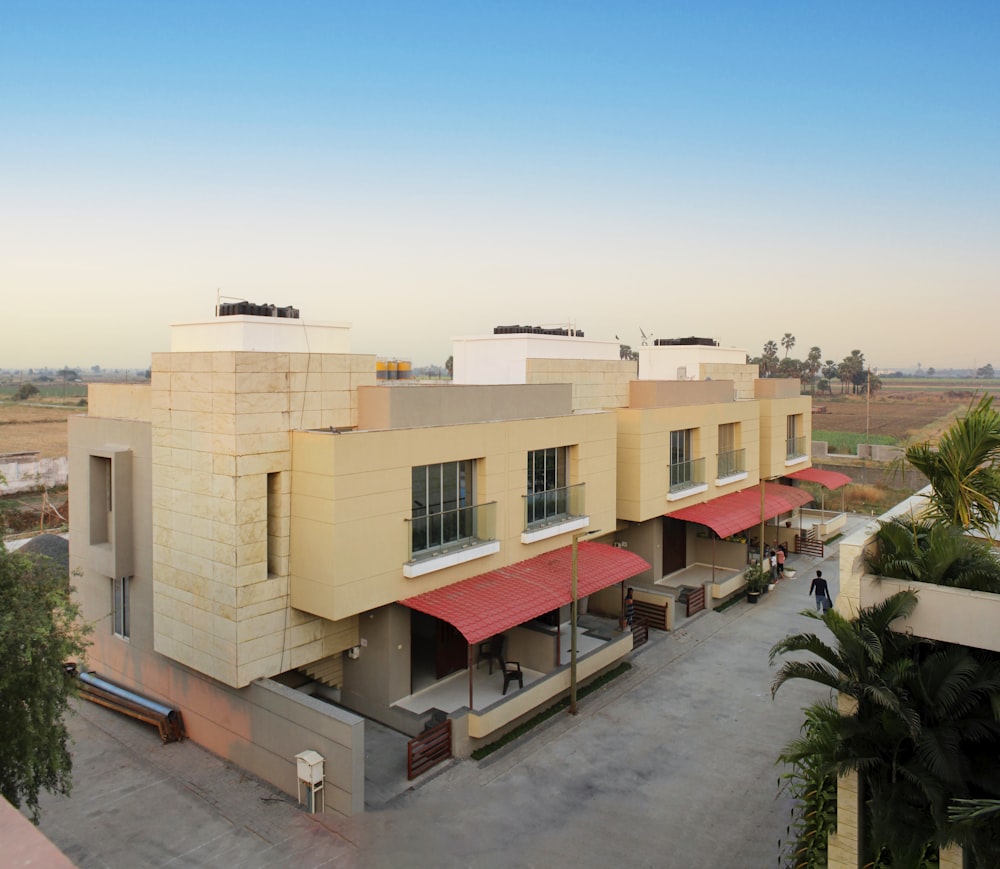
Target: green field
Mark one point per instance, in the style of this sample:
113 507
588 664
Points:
847 441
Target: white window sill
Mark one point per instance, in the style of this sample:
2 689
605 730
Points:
555 530
796 460
732 478
459 556
687 493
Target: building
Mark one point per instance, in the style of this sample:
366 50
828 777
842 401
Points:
277 542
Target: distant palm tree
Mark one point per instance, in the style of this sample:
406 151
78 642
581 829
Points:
964 469
769 361
788 342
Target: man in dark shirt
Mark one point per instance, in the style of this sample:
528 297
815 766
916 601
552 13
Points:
822 592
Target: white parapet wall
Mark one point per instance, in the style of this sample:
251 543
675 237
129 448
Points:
494 359
245 332
685 361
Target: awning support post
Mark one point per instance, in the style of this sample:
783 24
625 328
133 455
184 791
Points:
573 614
470 677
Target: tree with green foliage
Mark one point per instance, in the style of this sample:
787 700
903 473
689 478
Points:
769 360
40 631
25 391
964 469
924 731
920 550
812 365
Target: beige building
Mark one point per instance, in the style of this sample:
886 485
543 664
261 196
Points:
278 543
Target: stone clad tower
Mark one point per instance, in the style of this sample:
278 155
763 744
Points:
225 400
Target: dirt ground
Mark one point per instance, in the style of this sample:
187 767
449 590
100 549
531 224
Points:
910 415
25 427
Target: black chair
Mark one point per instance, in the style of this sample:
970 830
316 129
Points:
511 672
491 650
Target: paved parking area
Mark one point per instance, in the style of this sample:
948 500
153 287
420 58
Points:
671 765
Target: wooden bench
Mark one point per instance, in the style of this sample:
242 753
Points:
654 613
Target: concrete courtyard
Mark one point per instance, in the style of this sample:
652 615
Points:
670 765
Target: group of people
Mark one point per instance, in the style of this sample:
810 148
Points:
776 559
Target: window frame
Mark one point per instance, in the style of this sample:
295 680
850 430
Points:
443 498
121 615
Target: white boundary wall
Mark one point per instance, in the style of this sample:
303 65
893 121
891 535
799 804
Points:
26 476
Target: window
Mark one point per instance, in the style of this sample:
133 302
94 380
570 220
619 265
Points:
732 460
686 472
795 444
100 499
680 458
442 499
120 619
548 494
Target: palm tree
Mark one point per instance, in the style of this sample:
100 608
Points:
938 553
964 469
788 342
924 731
769 361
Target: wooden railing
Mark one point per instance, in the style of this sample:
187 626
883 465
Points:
655 614
807 544
428 749
696 601
640 632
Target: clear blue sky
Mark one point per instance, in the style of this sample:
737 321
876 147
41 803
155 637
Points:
427 170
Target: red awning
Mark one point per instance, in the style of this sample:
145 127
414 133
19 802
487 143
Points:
493 602
828 479
740 510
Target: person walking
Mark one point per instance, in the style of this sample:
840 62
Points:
820 588
773 559
629 608
780 555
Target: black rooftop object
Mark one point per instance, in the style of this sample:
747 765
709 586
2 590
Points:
231 309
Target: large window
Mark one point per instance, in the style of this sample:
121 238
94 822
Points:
796 442
548 494
120 617
680 458
442 499
732 459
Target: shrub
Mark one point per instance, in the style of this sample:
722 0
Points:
26 391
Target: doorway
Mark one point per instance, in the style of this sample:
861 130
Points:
674 545
437 649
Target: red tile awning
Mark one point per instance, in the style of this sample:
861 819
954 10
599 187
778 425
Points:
493 602
741 510
828 479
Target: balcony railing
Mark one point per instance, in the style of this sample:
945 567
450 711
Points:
554 507
687 475
795 448
732 463
438 534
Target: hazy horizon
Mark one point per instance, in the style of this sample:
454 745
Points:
427 171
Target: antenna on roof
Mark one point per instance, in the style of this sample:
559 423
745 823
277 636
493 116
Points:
645 338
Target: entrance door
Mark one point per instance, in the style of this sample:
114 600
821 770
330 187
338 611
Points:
451 651
674 545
